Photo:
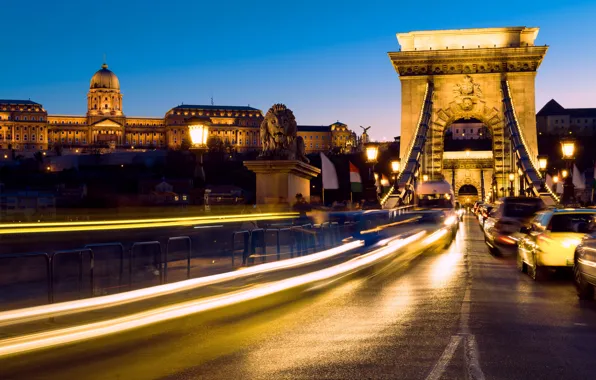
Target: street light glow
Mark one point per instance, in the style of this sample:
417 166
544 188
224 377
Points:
372 151
395 164
511 176
542 161
568 148
425 177
564 173
556 179
198 134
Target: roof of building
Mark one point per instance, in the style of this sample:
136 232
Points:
582 112
314 128
216 108
552 108
104 78
15 101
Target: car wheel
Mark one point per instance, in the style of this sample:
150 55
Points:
536 272
585 290
493 250
521 265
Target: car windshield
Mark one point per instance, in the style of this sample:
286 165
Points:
435 201
522 209
583 223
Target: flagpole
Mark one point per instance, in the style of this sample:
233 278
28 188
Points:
323 193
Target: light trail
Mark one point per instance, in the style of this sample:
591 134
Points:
151 223
64 308
117 325
153 220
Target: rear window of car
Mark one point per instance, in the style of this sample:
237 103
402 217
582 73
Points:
522 209
571 222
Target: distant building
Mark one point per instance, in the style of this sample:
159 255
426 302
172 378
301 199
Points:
26 125
469 131
554 119
322 138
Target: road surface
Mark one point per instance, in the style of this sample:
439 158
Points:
454 314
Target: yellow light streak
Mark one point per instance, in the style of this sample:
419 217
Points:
175 223
130 221
98 329
435 236
65 308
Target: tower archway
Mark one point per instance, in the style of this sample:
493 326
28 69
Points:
481 74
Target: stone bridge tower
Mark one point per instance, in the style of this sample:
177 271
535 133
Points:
468 70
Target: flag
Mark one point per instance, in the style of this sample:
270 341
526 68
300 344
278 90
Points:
329 174
559 189
549 181
384 181
355 180
579 181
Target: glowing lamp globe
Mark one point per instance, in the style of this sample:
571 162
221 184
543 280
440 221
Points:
198 134
568 148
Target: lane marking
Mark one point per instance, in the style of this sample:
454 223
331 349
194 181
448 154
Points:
445 358
471 358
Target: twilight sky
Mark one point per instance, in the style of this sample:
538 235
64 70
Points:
326 60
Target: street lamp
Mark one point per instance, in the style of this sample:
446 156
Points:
199 133
555 181
511 179
520 175
395 166
542 163
372 151
424 177
564 173
568 150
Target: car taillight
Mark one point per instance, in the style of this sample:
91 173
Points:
506 240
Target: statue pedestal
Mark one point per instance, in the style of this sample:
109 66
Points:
279 181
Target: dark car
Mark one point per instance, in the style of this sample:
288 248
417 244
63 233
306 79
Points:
483 211
504 224
584 264
477 204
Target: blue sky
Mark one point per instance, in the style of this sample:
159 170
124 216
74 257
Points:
326 60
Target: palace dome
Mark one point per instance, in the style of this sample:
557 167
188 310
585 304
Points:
105 78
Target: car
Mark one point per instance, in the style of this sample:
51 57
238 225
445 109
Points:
552 239
460 211
483 213
503 225
477 204
584 264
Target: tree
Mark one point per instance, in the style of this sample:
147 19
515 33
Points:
58 149
215 144
185 145
38 157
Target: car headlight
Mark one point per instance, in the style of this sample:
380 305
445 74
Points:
450 220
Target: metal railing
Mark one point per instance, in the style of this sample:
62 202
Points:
106 268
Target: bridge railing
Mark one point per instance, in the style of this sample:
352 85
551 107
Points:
96 269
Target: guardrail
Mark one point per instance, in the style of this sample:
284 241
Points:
107 268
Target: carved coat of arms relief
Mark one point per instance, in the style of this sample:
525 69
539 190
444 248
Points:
467 93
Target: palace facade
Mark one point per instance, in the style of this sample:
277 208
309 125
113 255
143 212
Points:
26 125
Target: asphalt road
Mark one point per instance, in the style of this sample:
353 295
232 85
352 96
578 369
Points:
454 314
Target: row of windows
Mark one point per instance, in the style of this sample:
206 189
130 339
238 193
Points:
25 137
32 128
20 109
32 118
221 113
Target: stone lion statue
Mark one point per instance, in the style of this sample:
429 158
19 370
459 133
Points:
279 136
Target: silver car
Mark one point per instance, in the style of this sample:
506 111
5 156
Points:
584 268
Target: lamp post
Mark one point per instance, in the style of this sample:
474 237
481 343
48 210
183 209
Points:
542 163
372 153
520 174
198 137
395 166
511 178
568 150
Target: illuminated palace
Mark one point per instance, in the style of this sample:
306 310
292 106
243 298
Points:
26 125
